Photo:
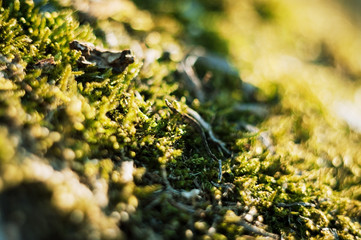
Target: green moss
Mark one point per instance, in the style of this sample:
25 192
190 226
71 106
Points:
101 155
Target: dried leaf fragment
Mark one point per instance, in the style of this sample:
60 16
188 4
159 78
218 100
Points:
102 59
46 64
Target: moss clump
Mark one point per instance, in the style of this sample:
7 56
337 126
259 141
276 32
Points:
100 156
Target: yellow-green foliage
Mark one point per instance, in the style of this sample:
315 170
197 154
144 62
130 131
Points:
87 153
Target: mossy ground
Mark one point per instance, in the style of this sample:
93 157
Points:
89 154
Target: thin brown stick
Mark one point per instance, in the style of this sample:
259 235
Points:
199 128
257 230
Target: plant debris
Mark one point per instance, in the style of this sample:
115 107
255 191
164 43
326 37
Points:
102 59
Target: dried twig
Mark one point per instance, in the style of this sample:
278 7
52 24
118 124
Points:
193 83
257 230
170 192
304 204
257 109
263 136
198 126
181 206
207 127
251 228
